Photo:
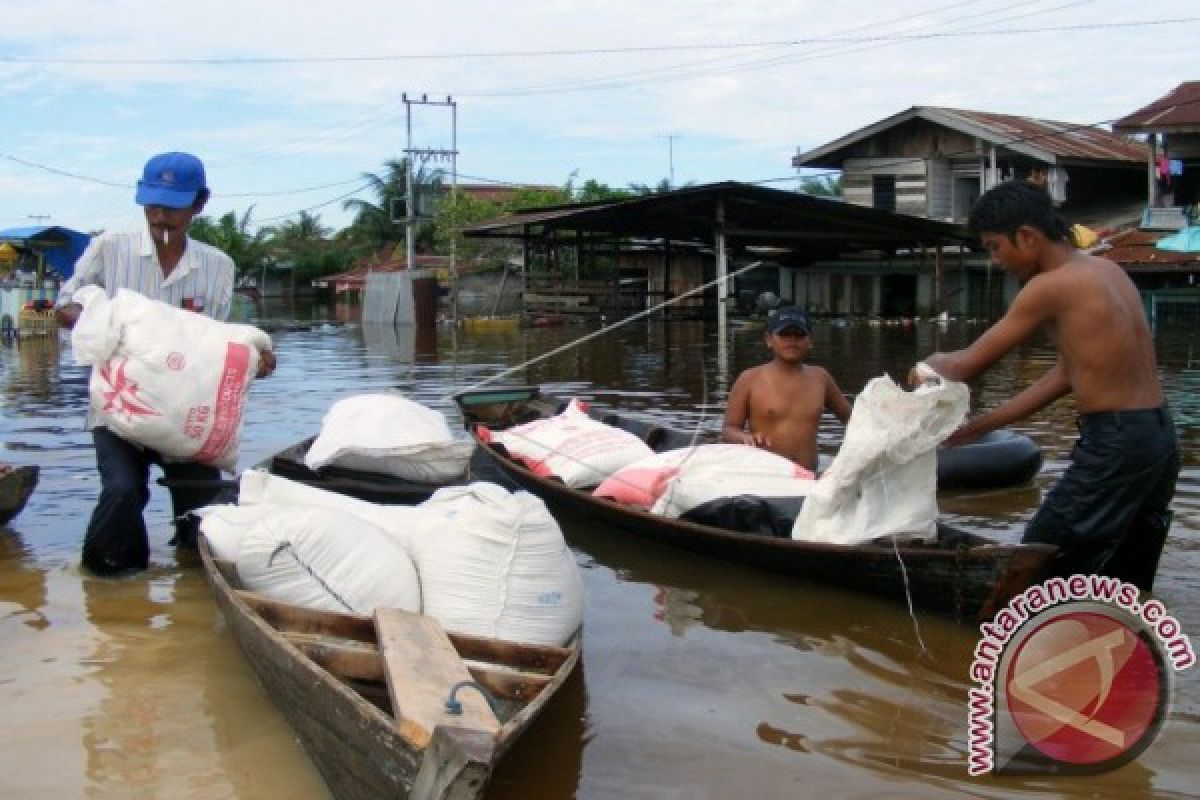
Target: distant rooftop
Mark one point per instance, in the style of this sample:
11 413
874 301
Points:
1045 140
1176 112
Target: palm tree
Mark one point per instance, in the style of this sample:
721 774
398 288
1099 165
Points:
380 223
232 235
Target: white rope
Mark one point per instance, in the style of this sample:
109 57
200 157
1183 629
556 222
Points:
604 330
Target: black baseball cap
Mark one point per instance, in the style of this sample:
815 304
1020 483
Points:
787 317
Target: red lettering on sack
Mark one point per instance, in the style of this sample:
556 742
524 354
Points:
227 410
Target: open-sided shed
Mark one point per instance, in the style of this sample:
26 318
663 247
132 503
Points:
736 222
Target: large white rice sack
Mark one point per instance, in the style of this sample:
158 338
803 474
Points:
712 471
389 434
675 482
319 558
171 380
572 446
495 564
883 480
225 525
259 488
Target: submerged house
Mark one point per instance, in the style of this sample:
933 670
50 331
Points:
1166 271
701 249
935 162
1171 168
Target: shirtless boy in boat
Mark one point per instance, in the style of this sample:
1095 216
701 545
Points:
1108 513
778 406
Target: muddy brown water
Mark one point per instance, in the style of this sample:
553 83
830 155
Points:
699 679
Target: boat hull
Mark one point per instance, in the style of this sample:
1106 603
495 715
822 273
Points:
344 721
962 575
16 486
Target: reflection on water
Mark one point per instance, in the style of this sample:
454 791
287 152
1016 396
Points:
699 679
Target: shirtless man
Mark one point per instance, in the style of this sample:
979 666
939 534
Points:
1109 512
783 401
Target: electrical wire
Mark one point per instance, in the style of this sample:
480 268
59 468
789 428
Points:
658 48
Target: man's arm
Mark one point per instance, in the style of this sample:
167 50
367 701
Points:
1041 393
835 399
1034 305
737 411
88 271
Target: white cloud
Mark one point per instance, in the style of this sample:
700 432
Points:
738 113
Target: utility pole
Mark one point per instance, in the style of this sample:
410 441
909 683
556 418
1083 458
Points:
670 137
412 213
39 218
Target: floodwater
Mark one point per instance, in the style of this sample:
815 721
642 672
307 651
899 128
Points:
699 679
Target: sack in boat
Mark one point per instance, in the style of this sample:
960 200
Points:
260 489
674 482
171 380
571 446
388 433
495 564
728 470
314 557
883 480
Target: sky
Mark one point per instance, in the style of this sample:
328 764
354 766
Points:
290 103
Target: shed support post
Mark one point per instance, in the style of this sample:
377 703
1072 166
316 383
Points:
722 296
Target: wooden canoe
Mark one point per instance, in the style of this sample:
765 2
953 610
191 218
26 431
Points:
962 575
16 485
371 698
372 487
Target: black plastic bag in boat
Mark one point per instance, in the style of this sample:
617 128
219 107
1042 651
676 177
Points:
769 516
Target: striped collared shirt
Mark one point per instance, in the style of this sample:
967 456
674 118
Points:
203 279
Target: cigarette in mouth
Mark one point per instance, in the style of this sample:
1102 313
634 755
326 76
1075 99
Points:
166 237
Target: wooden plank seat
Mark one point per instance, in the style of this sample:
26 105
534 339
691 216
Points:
421 667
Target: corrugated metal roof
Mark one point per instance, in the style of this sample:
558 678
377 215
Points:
752 215
1177 112
1048 141
1135 250
1062 139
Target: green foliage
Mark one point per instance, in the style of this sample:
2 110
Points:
821 185
232 235
375 223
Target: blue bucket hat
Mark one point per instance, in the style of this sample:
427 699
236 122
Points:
788 317
172 180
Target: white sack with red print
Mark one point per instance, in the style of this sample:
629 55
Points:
572 446
171 380
675 481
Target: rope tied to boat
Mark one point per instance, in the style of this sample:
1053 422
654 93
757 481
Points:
454 705
606 329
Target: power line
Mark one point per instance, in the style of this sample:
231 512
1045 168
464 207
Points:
658 48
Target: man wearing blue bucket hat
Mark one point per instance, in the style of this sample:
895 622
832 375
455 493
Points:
163 263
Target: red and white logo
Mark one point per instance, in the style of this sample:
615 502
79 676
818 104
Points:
1074 677
176 361
1084 688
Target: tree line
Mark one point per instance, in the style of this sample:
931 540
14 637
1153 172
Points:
377 229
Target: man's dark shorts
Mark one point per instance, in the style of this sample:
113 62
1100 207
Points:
1109 512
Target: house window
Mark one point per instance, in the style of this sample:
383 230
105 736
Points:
883 190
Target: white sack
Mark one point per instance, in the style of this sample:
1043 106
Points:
883 480
574 447
260 488
495 564
318 558
225 525
171 380
710 471
389 434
